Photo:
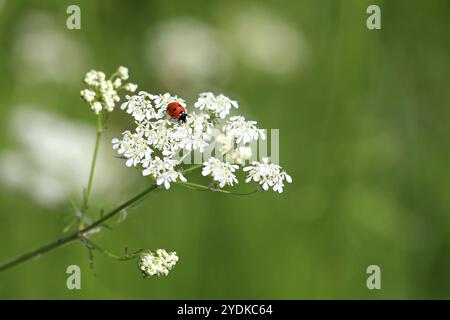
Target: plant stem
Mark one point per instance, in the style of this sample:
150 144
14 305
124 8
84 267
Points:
75 235
93 163
201 187
39 251
115 211
194 167
110 254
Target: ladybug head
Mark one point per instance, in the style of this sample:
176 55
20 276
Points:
182 117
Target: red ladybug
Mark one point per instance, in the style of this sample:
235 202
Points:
177 111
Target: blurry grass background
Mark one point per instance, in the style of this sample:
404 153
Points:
363 118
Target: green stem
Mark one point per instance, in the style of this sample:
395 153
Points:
76 235
110 254
79 234
206 188
73 236
93 163
39 251
194 167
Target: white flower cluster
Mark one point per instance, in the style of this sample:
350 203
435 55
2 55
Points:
102 93
163 171
133 147
218 106
243 131
157 141
241 154
222 172
157 263
267 174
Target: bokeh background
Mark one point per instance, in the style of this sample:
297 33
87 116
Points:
363 118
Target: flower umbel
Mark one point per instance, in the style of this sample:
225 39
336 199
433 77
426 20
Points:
267 174
243 131
141 107
163 171
158 140
133 147
102 93
157 263
222 172
219 106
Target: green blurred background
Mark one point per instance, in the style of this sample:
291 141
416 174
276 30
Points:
363 118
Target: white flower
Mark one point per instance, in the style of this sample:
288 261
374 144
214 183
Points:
158 263
117 83
166 177
161 136
109 95
157 142
122 72
221 172
102 94
170 137
226 146
161 101
243 131
241 154
140 107
94 78
225 143
162 170
196 132
269 175
133 147
97 107
87 95
219 105
131 87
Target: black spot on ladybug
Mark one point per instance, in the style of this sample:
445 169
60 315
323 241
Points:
174 109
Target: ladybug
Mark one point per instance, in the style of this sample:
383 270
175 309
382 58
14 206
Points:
177 111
